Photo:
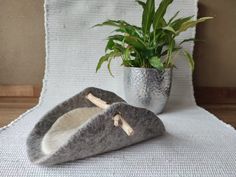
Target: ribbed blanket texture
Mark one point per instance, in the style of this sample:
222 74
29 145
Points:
197 144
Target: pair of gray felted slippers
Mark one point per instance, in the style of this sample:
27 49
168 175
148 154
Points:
92 122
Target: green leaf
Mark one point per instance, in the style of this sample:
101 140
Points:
172 18
189 40
130 30
127 54
117 38
118 48
108 23
174 50
124 23
107 57
192 23
109 67
163 22
169 28
176 24
147 53
159 15
156 63
125 27
101 61
190 59
147 18
112 55
135 42
122 26
110 45
171 47
143 4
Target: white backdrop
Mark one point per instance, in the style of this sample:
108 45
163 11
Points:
196 143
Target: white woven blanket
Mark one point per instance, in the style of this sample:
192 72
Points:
197 143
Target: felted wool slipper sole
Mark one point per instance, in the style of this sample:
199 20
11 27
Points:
90 123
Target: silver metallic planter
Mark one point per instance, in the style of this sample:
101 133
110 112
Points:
147 88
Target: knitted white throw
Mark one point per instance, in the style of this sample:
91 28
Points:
197 143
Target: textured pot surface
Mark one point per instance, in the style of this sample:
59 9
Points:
147 88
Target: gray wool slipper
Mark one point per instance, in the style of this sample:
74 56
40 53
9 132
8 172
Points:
90 123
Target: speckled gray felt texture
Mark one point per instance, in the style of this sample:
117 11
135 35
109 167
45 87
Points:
98 134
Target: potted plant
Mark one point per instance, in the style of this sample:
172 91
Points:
147 53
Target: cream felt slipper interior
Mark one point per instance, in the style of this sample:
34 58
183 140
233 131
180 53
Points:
90 123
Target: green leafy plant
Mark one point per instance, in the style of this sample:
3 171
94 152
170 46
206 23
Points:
152 45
